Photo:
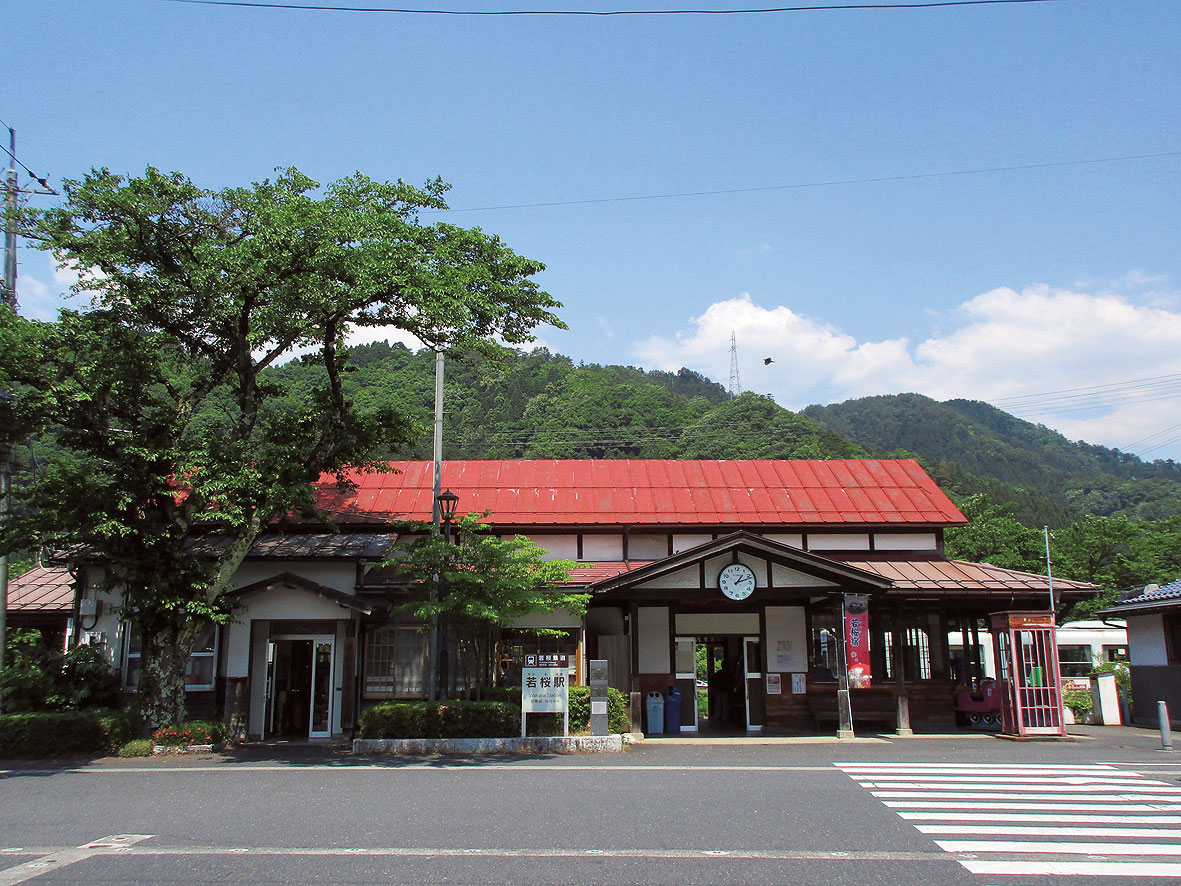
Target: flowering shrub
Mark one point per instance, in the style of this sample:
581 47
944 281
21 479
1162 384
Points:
182 735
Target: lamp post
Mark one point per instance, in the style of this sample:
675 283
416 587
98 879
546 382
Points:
445 504
448 501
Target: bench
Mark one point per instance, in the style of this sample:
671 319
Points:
869 706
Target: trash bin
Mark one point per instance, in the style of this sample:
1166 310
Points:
672 711
655 713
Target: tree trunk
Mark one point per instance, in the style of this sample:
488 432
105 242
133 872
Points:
165 649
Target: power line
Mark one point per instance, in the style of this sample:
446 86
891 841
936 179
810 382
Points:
803 185
606 13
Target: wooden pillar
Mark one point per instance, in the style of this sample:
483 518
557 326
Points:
966 645
897 626
977 676
944 644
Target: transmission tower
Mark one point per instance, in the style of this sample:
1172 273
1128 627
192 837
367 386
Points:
735 382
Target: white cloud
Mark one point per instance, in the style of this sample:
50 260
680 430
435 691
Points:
998 345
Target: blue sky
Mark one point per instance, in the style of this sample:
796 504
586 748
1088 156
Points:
1015 283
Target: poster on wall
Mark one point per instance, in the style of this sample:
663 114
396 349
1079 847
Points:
774 684
857 640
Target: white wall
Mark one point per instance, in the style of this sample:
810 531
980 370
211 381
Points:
904 541
787 639
699 623
853 541
652 623
1146 640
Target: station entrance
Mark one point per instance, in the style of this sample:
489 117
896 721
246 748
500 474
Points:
721 683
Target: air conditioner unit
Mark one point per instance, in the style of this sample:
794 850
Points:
92 638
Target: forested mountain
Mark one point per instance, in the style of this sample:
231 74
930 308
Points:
975 447
1118 519
542 405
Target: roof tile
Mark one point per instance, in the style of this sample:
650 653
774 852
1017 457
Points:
670 492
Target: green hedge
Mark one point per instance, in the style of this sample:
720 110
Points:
551 724
486 719
63 733
441 719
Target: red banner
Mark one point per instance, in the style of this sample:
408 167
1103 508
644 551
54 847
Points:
857 640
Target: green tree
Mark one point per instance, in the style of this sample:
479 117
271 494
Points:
993 535
174 427
484 583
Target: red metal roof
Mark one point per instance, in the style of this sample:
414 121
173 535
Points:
41 590
917 575
655 492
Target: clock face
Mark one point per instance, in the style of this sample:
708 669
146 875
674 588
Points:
737 581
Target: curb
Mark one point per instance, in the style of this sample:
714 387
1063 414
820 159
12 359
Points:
553 744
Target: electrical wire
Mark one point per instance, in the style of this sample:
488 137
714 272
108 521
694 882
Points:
918 176
17 160
609 12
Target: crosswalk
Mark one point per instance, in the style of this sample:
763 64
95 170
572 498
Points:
1025 820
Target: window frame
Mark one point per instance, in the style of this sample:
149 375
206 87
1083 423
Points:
372 636
132 641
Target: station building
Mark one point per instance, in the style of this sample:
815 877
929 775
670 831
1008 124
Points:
746 566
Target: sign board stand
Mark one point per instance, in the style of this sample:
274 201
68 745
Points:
598 697
545 688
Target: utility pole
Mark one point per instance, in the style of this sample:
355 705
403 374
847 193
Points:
8 297
436 515
1049 570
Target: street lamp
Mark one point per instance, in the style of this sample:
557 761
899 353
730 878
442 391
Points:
445 504
448 501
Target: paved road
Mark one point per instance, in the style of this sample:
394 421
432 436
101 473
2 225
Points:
964 810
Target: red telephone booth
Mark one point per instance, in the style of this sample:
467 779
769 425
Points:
1027 671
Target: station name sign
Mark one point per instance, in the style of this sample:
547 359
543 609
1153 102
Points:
545 683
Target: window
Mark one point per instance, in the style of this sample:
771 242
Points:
1172 625
826 639
199 669
516 644
1074 661
395 662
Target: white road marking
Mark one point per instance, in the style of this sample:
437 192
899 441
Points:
1017 789
983 810
1053 819
1122 869
396 766
1018 780
1009 795
1030 807
504 852
1047 831
113 845
1059 848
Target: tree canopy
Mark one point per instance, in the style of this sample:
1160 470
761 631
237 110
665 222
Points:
160 396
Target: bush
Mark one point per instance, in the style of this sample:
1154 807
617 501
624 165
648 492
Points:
441 719
551 724
182 735
120 727
139 747
53 734
42 679
1079 702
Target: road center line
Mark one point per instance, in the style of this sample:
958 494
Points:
491 852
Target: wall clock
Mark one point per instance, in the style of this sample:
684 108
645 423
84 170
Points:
736 581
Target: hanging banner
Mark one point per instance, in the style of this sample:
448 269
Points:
857 640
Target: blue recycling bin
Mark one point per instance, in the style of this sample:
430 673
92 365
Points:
655 707
672 711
